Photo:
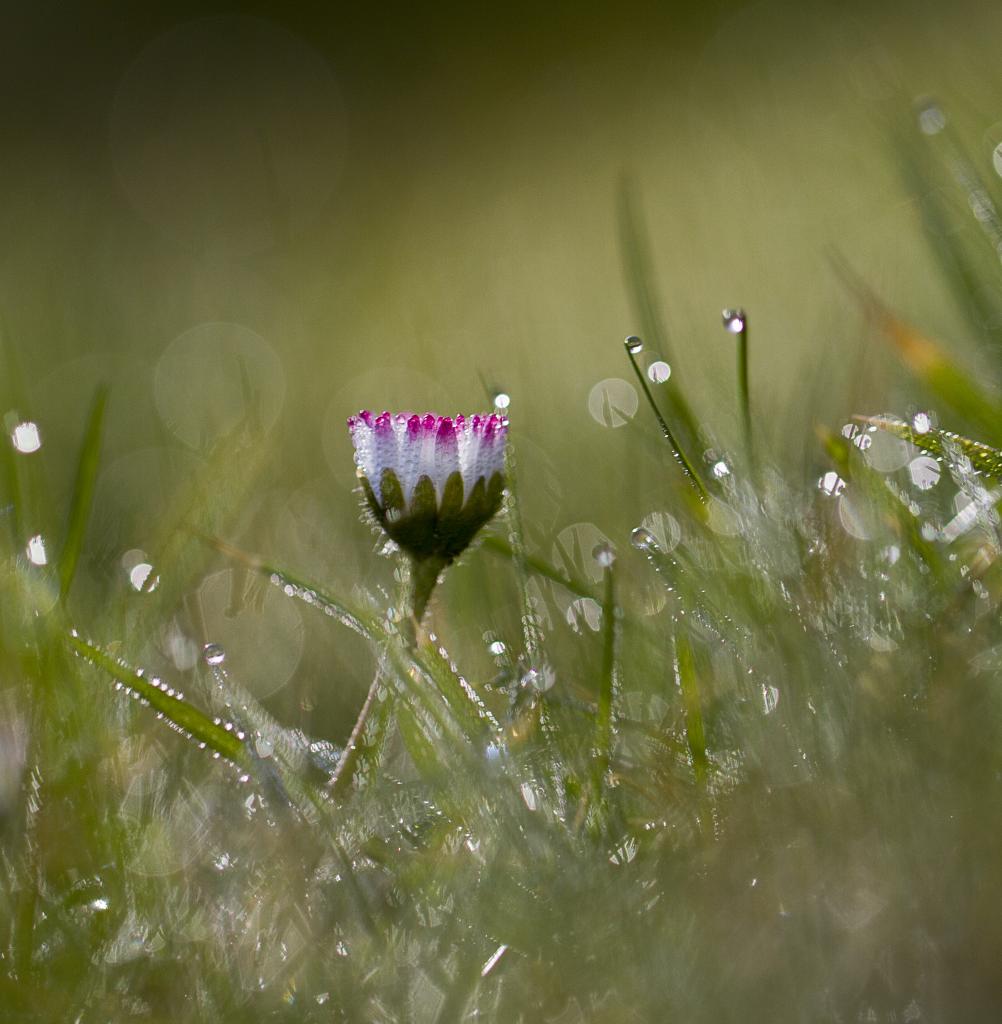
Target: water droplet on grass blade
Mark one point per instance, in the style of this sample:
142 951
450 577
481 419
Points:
634 345
36 550
26 437
733 320
921 423
831 484
604 554
213 654
643 540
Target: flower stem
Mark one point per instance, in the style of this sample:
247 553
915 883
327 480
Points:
424 576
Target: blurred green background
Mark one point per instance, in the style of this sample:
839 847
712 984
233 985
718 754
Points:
399 206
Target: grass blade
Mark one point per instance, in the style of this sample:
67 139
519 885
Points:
638 270
83 492
927 360
943 444
188 719
685 673
607 692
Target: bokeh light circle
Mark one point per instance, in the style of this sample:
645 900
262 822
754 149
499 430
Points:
214 378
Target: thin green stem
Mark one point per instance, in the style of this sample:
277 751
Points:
539 566
83 492
685 672
424 577
344 773
607 691
744 390
680 457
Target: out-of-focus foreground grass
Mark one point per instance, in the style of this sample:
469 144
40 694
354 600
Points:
669 753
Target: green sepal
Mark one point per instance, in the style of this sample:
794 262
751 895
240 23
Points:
495 492
393 504
458 530
414 528
372 501
433 533
452 498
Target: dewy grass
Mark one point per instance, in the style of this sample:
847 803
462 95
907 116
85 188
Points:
743 768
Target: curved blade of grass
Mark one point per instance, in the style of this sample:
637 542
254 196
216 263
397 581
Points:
540 567
468 710
676 448
188 719
954 260
607 682
83 492
851 467
638 272
943 444
685 673
927 360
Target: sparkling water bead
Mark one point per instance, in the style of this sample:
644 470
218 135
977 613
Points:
733 320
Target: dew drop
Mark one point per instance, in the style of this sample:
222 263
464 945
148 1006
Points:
643 540
502 401
26 437
658 372
213 654
733 320
720 469
604 554
633 345
831 484
497 648
921 423
36 550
